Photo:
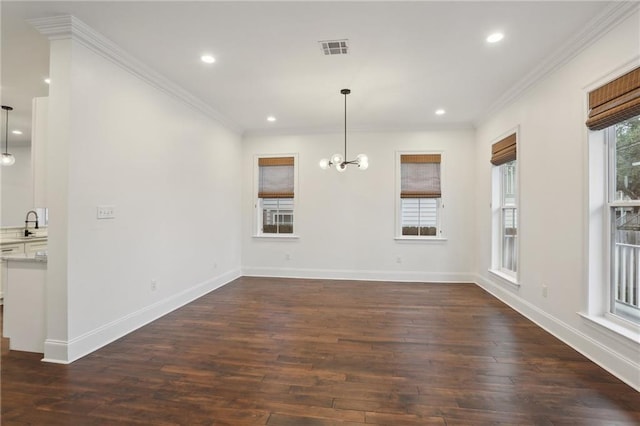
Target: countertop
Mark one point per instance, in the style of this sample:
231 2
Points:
20 240
38 256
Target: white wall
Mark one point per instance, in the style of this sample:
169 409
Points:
346 221
552 161
171 174
16 197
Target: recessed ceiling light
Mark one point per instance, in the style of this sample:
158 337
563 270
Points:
271 118
495 37
440 111
47 80
207 59
16 132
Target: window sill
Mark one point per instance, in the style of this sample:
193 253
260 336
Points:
505 278
421 239
621 327
277 236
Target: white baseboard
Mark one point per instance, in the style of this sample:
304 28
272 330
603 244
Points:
615 363
359 275
65 352
56 351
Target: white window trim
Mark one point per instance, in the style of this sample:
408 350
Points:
505 278
441 235
508 276
627 330
257 218
421 239
277 236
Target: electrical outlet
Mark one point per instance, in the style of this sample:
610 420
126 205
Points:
154 285
106 212
545 291
398 259
287 256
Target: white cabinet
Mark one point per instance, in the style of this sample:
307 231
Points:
28 247
24 313
34 246
12 248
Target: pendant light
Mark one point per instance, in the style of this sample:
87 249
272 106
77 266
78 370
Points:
338 160
7 159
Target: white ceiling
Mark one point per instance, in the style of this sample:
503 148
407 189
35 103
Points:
407 58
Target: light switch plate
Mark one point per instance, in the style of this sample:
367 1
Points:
106 212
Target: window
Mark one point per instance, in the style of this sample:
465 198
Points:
505 208
275 195
420 195
614 239
623 141
509 218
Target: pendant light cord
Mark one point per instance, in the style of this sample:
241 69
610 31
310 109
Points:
6 132
345 127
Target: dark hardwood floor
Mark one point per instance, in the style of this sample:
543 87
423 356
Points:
265 351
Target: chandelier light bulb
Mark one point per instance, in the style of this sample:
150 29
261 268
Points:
324 164
341 167
337 159
7 159
363 162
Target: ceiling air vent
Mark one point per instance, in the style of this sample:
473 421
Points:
335 47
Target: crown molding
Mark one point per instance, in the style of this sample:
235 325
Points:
297 131
70 27
597 27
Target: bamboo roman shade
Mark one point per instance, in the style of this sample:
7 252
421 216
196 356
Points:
614 102
275 177
504 150
420 176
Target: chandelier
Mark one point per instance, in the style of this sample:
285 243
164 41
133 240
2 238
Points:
338 160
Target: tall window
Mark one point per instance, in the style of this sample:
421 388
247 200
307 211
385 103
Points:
615 108
420 195
505 209
275 195
623 139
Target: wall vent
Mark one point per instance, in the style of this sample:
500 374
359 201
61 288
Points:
335 47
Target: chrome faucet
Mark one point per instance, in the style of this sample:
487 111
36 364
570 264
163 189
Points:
27 221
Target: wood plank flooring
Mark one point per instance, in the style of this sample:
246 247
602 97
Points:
282 352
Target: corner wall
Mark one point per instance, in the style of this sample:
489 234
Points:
157 161
553 192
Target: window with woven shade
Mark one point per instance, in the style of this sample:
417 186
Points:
276 191
420 195
504 206
614 108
